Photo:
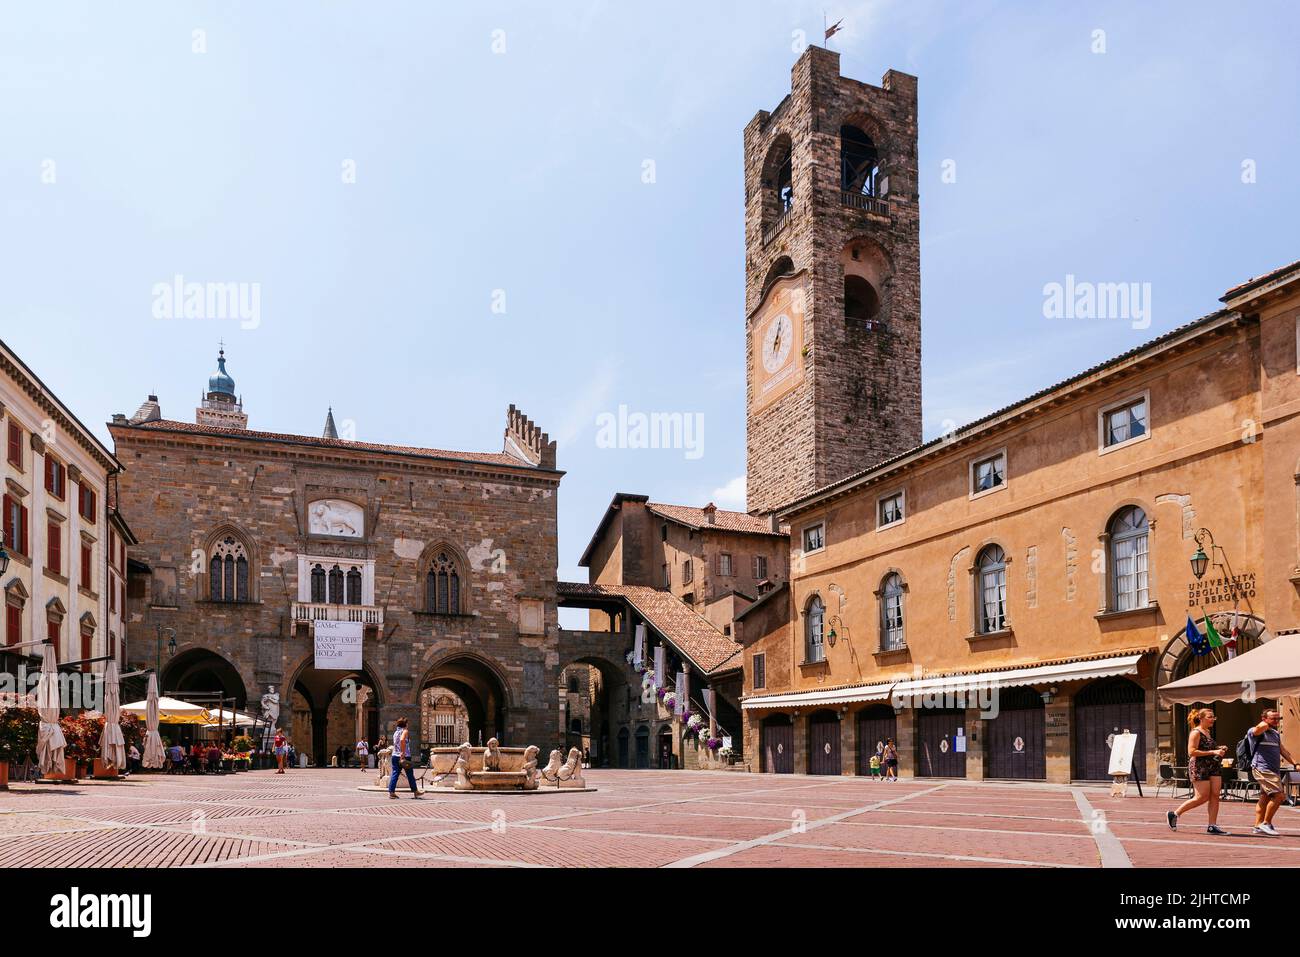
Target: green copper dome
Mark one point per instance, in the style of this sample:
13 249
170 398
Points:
221 381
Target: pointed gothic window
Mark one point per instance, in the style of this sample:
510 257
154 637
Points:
442 586
228 578
354 586
336 585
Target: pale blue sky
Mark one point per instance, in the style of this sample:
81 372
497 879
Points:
522 171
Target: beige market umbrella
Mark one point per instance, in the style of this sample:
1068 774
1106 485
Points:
1271 670
112 746
171 711
49 736
231 719
153 749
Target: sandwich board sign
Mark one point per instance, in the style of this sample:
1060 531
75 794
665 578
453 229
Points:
1122 747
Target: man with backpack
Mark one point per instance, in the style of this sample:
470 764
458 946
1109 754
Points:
1264 743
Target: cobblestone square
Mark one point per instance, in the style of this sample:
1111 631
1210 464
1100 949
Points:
319 818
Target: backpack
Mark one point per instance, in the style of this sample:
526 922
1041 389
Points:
1246 752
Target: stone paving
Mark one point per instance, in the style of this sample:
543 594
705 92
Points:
318 818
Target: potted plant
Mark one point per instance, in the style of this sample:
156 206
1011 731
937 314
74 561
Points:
18 727
82 732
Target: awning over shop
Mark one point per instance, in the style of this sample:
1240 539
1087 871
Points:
1006 678
1029 675
1271 670
828 696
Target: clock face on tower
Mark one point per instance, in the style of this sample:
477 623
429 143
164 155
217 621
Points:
776 342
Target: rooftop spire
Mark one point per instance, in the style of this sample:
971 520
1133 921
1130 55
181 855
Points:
330 431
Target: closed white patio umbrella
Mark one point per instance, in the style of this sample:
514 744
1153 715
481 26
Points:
50 741
153 749
112 746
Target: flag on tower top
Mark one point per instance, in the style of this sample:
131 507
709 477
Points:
834 28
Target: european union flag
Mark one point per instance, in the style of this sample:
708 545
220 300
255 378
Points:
1199 643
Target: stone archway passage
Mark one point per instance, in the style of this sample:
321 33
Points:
336 703
201 671
481 691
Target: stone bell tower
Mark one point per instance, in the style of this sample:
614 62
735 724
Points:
832 280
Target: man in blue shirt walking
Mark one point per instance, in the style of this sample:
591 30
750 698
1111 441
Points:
1266 766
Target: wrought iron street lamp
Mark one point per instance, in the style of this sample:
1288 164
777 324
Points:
171 648
4 560
1201 561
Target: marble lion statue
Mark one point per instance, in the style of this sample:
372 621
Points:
531 773
492 755
461 768
571 767
552 769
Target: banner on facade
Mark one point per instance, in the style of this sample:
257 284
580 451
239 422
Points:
638 650
338 645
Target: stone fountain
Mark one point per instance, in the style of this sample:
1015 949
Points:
494 768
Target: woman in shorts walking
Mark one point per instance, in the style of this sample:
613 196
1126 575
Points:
1204 768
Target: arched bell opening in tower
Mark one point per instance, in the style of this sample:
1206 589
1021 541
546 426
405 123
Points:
859 162
778 180
866 272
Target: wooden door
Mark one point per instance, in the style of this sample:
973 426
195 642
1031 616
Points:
1016 740
937 754
778 745
1102 710
824 743
876 725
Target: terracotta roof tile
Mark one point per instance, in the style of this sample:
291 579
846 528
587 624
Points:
168 425
723 520
687 631
1261 278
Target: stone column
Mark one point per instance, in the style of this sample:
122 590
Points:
848 742
906 742
1056 718
801 743
975 734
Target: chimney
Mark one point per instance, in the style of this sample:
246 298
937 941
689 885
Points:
711 513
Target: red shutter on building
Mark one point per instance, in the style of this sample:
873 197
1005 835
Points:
49 474
23 531
16 444
112 596
54 548
13 624
52 631
85 567
10 539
